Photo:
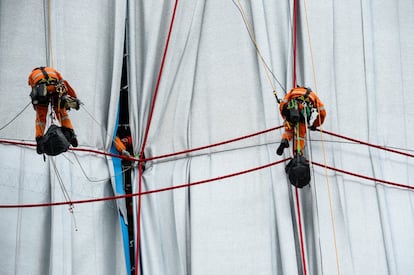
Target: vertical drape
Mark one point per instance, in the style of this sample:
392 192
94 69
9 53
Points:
355 55
87 50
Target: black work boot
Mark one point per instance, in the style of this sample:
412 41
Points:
39 145
283 144
74 141
70 136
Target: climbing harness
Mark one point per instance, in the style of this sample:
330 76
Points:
292 112
65 100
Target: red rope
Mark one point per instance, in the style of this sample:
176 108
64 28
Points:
17 143
302 243
197 183
295 14
157 86
366 143
147 192
302 246
214 144
175 187
144 143
301 239
140 193
364 177
155 157
21 143
138 234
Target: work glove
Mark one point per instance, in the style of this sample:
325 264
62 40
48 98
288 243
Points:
283 144
78 103
39 145
125 153
69 102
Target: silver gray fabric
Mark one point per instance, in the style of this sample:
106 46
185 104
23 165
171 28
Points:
87 50
213 87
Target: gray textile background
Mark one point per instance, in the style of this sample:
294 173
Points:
213 88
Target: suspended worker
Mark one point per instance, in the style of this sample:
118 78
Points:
48 86
300 107
123 145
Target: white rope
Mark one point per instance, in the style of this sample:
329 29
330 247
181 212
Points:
315 216
99 180
259 53
65 193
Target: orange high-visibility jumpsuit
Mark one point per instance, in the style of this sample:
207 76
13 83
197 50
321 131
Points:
301 94
36 77
121 144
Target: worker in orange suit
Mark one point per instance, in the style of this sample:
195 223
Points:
121 145
299 104
48 86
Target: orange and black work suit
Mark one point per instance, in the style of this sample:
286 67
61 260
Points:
44 81
297 106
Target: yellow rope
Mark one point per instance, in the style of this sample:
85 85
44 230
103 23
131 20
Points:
323 147
51 55
259 53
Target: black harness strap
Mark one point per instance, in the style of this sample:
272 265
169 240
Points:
308 91
45 75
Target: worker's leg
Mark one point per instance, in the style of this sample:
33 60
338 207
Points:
67 127
63 117
41 113
286 137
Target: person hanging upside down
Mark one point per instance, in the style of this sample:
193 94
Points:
48 86
299 104
122 145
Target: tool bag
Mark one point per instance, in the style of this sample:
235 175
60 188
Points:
54 141
298 171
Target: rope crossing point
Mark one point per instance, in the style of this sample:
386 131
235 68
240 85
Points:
228 141
21 143
144 143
